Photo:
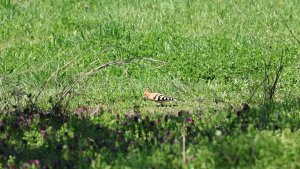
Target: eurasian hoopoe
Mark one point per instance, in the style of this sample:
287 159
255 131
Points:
157 97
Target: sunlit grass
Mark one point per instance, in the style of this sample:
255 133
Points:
208 54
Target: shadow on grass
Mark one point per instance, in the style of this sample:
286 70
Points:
63 140
237 146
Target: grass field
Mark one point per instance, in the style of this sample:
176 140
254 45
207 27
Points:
63 106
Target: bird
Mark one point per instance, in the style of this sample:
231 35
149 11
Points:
157 97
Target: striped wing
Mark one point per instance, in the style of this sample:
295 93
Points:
160 97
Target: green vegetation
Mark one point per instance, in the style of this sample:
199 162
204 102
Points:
59 109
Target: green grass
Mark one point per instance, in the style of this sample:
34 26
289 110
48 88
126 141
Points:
214 53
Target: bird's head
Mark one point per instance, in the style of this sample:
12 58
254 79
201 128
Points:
147 92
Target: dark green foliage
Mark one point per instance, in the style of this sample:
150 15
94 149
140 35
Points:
58 140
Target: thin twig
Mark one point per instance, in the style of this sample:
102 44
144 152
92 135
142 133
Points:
183 146
267 79
287 26
74 60
277 76
3 107
154 60
67 90
253 93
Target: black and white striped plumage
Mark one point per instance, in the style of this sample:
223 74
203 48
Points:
157 97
